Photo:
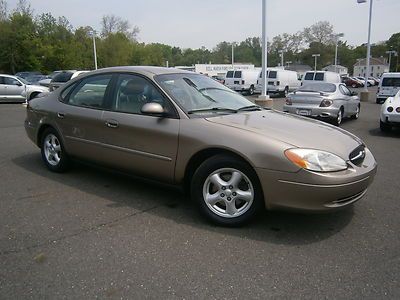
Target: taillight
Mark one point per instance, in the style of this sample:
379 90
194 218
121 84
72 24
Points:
289 101
278 83
398 109
378 90
390 109
242 81
326 103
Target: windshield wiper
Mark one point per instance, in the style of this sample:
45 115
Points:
249 108
212 109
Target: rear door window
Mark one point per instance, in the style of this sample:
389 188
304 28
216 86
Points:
272 74
391 81
309 76
319 76
229 74
90 92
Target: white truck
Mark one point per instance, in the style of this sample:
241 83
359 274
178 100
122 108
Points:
279 82
389 85
321 76
242 80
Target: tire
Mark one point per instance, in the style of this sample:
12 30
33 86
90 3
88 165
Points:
357 114
53 152
251 90
232 189
33 95
384 126
285 92
338 120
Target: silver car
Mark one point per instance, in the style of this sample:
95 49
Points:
327 101
16 89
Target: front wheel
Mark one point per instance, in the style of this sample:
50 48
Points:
53 152
227 191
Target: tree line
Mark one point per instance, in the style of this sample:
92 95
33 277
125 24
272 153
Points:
45 43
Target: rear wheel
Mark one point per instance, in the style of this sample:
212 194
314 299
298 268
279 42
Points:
338 120
384 126
251 90
285 92
53 152
227 191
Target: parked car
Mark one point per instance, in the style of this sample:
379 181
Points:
375 80
324 76
279 82
326 101
63 77
359 80
16 89
388 86
242 80
26 74
46 81
390 113
370 82
349 81
235 158
34 79
220 79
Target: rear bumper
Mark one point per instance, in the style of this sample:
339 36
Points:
313 111
391 118
239 87
312 191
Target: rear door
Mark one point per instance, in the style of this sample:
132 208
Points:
390 86
79 117
144 144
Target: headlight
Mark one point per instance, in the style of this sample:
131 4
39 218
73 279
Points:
316 160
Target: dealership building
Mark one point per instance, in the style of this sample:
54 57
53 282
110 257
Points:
216 70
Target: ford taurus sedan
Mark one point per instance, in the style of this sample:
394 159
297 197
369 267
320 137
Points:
326 101
182 128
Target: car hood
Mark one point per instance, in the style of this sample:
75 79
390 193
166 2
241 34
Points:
293 130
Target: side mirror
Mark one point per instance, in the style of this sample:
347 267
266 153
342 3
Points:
153 108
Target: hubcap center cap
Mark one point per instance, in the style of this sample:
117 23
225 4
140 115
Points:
228 193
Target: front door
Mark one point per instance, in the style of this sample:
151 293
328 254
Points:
14 89
141 143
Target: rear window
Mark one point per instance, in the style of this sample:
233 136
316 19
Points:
62 77
272 74
318 87
229 74
238 74
309 76
391 81
319 76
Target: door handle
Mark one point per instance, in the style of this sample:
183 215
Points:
112 124
61 115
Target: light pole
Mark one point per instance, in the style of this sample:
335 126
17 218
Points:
264 52
369 41
390 56
281 55
93 34
315 60
338 36
288 63
233 54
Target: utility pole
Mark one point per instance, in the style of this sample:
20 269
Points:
315 60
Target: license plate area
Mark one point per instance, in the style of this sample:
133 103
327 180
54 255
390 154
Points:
303 112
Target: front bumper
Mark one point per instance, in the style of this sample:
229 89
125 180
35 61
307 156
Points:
313 191
312 111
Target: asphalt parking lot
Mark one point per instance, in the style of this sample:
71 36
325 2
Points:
92 233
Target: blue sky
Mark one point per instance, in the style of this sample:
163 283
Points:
196 23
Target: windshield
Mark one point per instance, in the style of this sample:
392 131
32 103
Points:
198 93
318 87
22 80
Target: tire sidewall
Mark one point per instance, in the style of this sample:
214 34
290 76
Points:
63 165
218 162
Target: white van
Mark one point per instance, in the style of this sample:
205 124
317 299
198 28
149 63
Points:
242 80
324 76
279 82
388 86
